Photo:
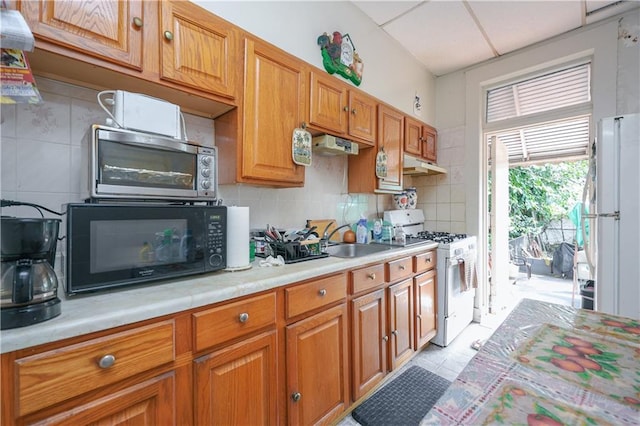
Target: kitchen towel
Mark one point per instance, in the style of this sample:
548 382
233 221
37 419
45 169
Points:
237 238
468 271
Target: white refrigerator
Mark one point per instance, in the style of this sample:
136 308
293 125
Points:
617 216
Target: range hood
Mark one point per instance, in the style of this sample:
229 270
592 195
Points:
415 167
332 145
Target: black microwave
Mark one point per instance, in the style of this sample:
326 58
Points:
116 245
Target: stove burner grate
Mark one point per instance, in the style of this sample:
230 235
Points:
441 237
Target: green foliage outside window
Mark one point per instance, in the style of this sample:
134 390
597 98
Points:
540 194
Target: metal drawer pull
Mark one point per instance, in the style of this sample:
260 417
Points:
322 292
296 396
244 317
107 361
402 267
372 276
428 259
137 22
168 35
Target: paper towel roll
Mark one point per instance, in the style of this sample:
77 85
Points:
237 238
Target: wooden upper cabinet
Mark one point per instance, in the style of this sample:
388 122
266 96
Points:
390 138
111 30
341 111
328 104
362 167
429 144
420 140
362 116
412 137
198 49
274 105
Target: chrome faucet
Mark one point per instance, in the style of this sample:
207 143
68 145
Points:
326 236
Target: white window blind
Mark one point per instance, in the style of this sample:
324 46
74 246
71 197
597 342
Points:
543 118
554 90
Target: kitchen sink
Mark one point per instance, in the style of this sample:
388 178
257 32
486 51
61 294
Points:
355 250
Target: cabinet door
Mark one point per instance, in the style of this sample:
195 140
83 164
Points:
391 137
196 52
400 323
362 117
110 30
412 137
273 106
425 297
149 403
317 366
429 140
237 385
328 103
369 342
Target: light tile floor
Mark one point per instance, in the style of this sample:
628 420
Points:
448 362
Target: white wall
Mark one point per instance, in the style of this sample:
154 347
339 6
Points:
459 97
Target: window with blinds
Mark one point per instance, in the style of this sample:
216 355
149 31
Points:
544 118
567 87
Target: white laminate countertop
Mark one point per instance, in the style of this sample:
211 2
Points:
84 314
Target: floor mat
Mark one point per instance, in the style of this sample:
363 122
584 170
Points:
403 401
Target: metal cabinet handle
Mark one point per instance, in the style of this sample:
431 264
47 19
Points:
345 109
137 22
401 267
428 259
243 317
385 338
419 316
394 332
168 35
322 292
107 361
372 276
353 111
296 396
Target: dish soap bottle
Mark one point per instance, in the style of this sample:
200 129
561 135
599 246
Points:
362 231
377 231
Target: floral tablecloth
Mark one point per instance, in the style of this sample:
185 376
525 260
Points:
549 364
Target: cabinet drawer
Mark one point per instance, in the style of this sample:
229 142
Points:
232 320
54 376
367 278
399 269
425 261
315 294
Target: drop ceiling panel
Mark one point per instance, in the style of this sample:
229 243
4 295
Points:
513 25
442 35
384 11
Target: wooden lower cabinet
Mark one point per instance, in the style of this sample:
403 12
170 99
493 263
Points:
237 385
317 367
149 403
369 341
425 299
401 323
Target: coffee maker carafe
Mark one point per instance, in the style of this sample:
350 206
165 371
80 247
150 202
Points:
29 286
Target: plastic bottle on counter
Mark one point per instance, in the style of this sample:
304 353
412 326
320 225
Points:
362 232
377 231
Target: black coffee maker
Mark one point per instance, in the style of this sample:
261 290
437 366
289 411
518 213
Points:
29 286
